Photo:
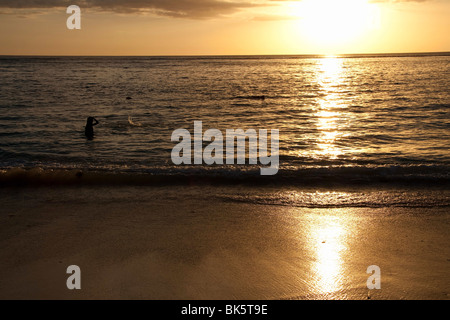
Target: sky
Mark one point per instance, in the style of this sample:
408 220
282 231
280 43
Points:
224 27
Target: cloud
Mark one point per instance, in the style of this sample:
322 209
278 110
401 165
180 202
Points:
194 9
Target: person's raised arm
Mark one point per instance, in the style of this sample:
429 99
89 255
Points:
96 122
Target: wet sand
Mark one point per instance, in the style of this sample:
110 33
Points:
188 243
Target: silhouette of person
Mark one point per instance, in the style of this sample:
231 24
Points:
89 129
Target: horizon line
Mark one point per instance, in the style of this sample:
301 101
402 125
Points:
444 53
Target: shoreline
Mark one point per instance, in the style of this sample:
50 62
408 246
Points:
331 177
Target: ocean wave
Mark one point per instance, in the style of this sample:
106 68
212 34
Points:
408 176
251 97
344 199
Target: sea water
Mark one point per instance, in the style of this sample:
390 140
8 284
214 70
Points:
360 119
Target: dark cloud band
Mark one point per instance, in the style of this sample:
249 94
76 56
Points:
196 9
193 9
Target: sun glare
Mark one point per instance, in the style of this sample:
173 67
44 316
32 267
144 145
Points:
336 22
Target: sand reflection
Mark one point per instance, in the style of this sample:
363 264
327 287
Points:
328 236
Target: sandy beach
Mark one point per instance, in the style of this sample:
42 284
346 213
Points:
192 243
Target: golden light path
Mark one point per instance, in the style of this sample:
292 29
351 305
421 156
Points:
331 114
328 234
329 77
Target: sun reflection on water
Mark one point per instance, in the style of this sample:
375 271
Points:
329 111
330 69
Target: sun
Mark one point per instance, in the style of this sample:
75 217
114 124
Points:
336 22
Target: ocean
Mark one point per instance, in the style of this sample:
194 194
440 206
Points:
363 177
346 119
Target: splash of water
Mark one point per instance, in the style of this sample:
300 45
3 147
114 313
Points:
134 124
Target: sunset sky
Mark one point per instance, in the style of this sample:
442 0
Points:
221 27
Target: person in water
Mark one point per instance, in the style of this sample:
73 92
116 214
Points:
89 129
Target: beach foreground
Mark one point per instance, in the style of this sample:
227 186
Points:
188 242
